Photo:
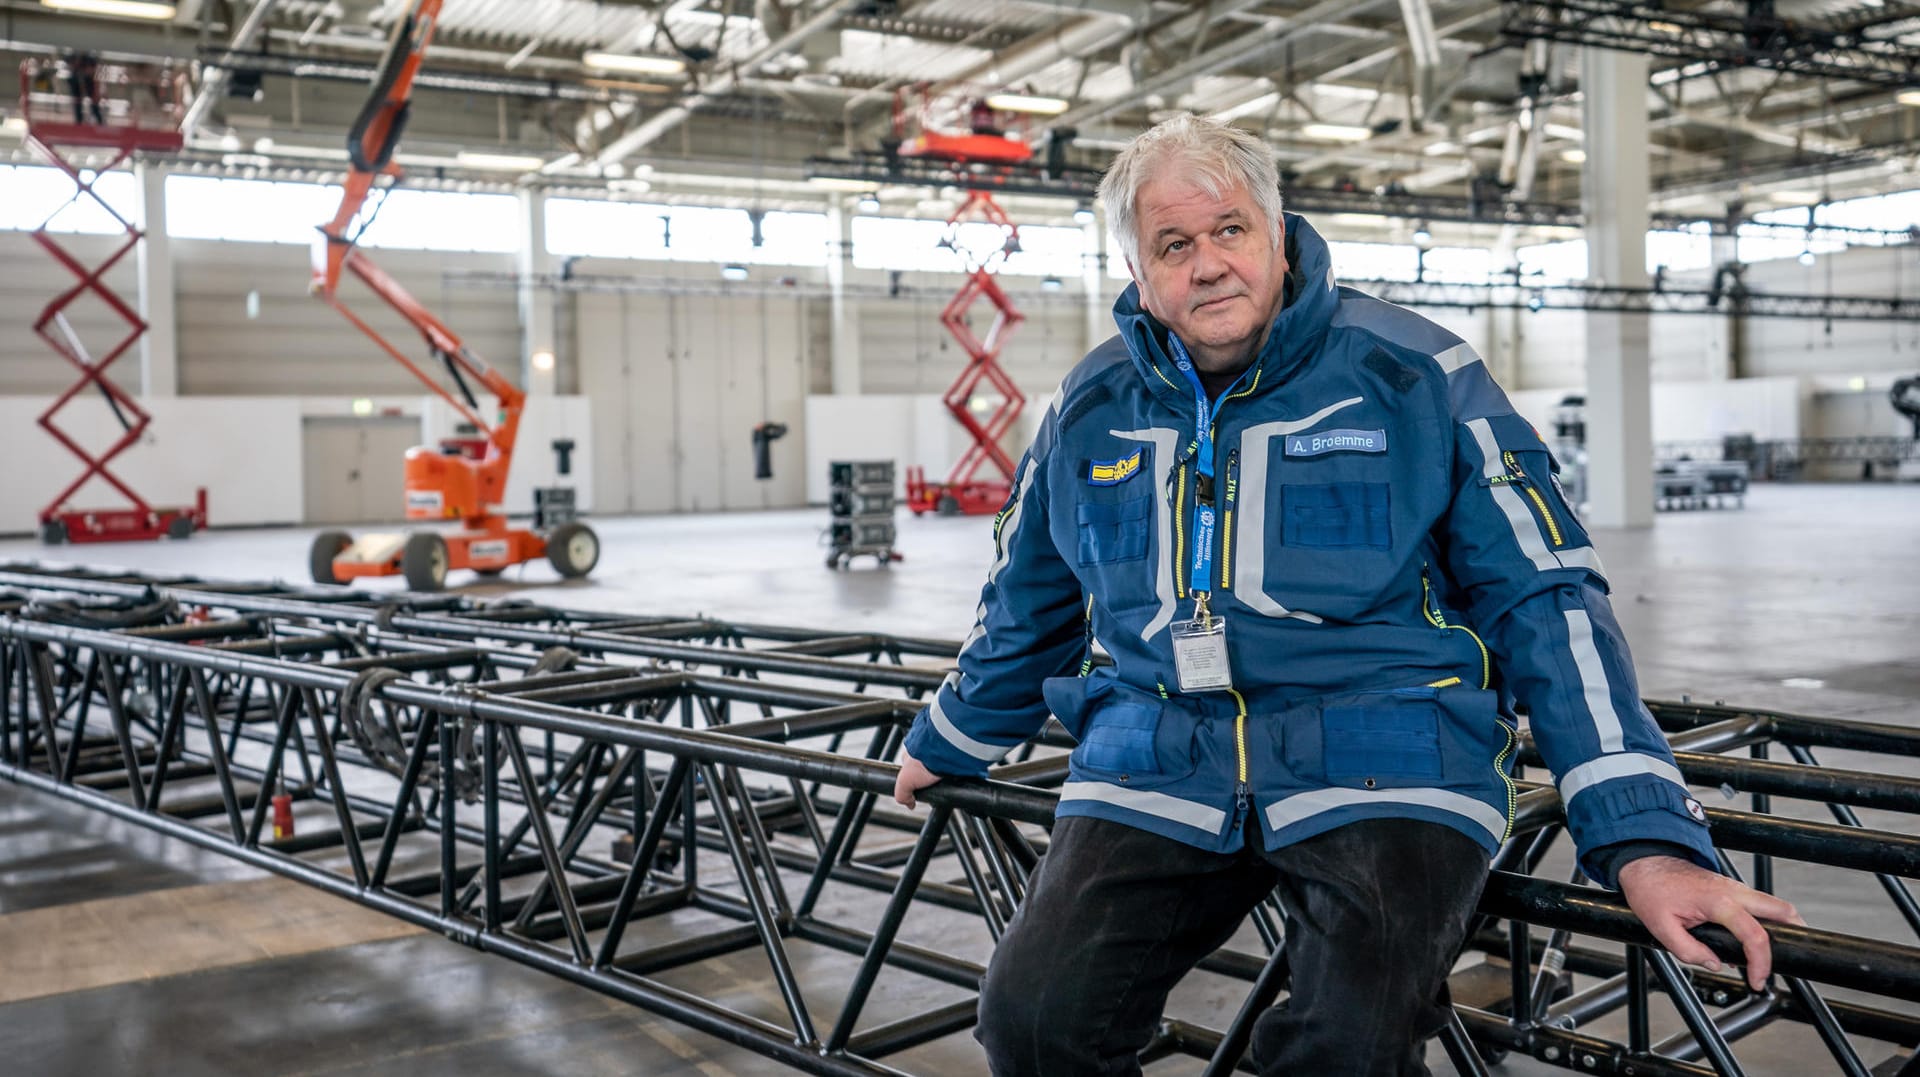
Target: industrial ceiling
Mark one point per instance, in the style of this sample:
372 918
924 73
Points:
1466 102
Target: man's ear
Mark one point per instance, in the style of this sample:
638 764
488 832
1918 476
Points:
1146 304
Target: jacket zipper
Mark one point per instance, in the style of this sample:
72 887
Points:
1500 768
1430 607
1241 792
1546 515
1180 532
1228 494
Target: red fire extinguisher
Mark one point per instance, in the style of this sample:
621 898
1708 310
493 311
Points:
282 812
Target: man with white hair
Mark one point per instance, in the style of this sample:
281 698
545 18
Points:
1327 559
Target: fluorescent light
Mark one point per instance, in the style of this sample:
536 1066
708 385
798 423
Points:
733 271
1246 108
1336 132
635 65
543 360
1019 102
1441 148
1668 28
835 183
1908 97
126 9
1795 198
505 162
1575 156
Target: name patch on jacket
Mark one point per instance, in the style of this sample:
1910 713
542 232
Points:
1326 441
1113 472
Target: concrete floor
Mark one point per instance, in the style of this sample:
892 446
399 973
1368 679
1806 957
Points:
1808 600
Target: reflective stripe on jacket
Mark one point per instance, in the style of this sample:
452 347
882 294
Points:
1395 563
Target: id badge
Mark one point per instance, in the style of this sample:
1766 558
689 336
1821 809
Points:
1200 655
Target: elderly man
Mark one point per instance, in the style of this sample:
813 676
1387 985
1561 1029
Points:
1325 556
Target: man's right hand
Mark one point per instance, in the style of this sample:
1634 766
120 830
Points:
913 777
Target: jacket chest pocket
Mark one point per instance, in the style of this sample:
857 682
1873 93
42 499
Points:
1335 515
1112 531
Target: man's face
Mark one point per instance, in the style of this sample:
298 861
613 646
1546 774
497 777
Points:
1208 270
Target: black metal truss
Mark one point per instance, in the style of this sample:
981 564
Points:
554 786
882 170
1486 296
1786 459
1717 41
1594 297
1080 183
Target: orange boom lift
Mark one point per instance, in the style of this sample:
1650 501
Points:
464 479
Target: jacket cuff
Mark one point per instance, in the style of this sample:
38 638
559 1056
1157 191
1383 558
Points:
934 752
1610 859
1640 808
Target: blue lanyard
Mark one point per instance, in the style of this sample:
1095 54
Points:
1201 578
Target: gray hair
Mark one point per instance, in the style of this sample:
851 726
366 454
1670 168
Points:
1215 156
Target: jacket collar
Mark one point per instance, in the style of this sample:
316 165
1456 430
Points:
1298 329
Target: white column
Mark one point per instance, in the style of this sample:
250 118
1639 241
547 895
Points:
1093 279
1614 189
538 358
160 345
844 332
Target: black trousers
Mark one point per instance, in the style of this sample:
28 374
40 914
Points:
1376 912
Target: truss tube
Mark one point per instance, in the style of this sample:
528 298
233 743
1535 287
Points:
40 670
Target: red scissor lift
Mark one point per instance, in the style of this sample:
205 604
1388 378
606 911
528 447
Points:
58 101
980 141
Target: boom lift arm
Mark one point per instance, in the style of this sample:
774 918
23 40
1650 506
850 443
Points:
467 479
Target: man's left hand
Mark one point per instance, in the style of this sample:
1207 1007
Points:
1671 895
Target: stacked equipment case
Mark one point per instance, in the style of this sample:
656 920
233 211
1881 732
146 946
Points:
861 499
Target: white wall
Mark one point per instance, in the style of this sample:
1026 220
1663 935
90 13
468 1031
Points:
912 430
1767 408
245 451
677 383
298 345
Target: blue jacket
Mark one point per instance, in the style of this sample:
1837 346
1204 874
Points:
1395 563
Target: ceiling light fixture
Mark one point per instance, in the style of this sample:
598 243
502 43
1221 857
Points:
126 9
733 271
1908 97
1020 102
836 183
634 65
1083 214
503 162
1421 237
870 202
1336 132
1575 156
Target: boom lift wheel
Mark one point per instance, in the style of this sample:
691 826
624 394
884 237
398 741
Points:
327 545
573 549
180 527
53 532
424 561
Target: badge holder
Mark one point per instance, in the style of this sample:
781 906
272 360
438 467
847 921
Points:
1200 652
